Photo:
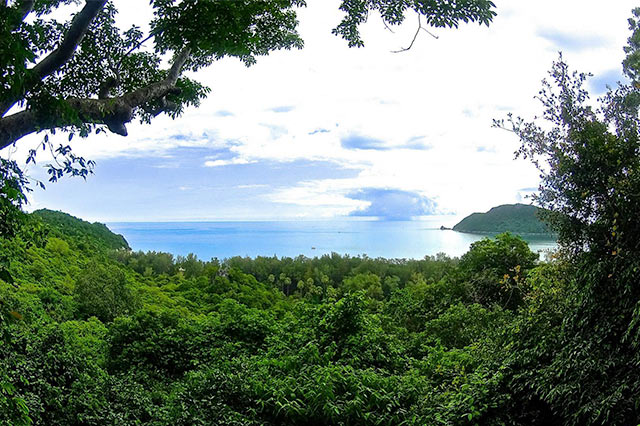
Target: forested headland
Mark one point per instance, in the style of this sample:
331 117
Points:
515 218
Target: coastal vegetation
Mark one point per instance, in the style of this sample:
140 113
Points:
515 218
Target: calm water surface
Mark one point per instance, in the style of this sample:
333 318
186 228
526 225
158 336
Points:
390 239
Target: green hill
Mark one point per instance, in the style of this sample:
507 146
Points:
515 218
71 226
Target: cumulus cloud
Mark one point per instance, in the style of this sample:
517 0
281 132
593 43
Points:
416 142
393 204
482 148
355 141
315 132
417 122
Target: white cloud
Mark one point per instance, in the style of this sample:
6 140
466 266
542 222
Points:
220 163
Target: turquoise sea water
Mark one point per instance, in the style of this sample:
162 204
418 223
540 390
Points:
389 239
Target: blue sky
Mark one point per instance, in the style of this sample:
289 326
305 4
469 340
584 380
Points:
333 132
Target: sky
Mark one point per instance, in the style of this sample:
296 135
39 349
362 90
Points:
329 132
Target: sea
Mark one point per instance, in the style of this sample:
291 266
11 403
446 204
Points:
413 239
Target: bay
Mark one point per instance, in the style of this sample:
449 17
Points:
390 239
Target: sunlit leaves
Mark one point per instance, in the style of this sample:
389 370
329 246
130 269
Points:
215 29
436 13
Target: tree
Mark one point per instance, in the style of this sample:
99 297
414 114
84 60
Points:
369 282
589 159
99 77
102 291
496 269
13 185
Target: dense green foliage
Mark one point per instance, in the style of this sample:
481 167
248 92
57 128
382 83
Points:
585 365
515 218
110 336
70 226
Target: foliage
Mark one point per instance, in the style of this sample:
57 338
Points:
102 291
117 337
91 233
14 186
494 338
436 13
581 365
497 270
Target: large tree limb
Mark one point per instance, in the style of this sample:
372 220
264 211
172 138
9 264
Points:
63 52
72 39
114 112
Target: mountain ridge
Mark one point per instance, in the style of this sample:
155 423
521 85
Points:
69 225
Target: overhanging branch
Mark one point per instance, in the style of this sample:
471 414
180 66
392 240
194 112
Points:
415 36
114 112
62 53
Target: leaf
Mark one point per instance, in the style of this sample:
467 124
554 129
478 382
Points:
16 315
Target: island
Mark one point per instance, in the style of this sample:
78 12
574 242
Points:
514 218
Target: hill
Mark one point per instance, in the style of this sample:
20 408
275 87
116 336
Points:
72 226
514 218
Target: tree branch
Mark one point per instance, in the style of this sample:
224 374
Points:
178 63
415 36
107 86
114 112
62 53
137 45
